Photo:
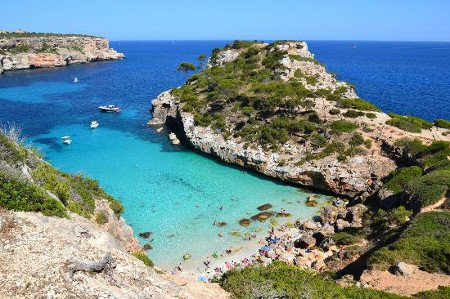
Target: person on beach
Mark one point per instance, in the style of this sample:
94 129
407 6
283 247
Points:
180 267
207 262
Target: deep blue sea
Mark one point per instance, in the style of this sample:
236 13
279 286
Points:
172 191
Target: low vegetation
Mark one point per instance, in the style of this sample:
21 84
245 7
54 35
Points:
279 280
408 123
74 193
144 258
426 243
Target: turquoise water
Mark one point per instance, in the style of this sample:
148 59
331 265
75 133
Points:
171 191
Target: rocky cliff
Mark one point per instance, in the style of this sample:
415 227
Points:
25 51
61 236
275 109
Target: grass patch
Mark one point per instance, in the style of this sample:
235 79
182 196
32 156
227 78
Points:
101 217
358 104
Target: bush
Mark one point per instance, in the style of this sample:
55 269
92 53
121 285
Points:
19 195
345 238
318 140
442 123
384 220
414 146
426 243
101 217
279 280
334 111
402 177
353 113
358 104
343 126
408 123
430 188
441 292
356 140
371 115
116 206
144 258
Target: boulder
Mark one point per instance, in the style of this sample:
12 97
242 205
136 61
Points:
264 207
355 215
305 241
385 198
319 265
145 235
147 247
310 225
342 224
327 243
155 122
319 237
244 222
329 214
403 269
263 216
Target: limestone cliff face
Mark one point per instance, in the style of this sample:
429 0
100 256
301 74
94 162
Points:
53 51
359 174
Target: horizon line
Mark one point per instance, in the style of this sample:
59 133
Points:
270 40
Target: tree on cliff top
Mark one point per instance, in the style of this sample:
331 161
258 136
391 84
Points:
186 67
201 61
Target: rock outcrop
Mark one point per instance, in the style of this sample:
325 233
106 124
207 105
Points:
44 51
358 174
49 257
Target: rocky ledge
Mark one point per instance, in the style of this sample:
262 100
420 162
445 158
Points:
297 159
44 51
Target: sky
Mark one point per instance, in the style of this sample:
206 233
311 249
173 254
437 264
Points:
398 20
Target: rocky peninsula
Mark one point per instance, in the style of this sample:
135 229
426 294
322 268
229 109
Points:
273 108
42 50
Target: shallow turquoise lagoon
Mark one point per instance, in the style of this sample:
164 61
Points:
173 192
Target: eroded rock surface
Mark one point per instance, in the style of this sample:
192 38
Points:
53 51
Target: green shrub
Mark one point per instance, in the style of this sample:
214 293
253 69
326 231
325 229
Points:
279 280
402 177
116 206
430 188
318 140
371 115
345 238
353 113
10 151
334 111
358 104
356 140
408 123
19 195
441 292
101 217
144 258
414 146
442 123
426 243
343 126
384 220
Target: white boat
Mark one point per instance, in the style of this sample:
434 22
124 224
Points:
75 80
109 108
94 124
66 140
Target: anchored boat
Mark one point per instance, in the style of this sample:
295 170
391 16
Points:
66 140
94 124
109 108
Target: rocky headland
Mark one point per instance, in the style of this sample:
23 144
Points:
274 109
34 50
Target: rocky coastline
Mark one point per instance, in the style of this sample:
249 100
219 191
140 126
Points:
47 51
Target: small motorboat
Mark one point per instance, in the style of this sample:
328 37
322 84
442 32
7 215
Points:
75 80
109 108
66 140
94 124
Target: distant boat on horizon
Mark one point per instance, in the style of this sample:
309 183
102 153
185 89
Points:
354 46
